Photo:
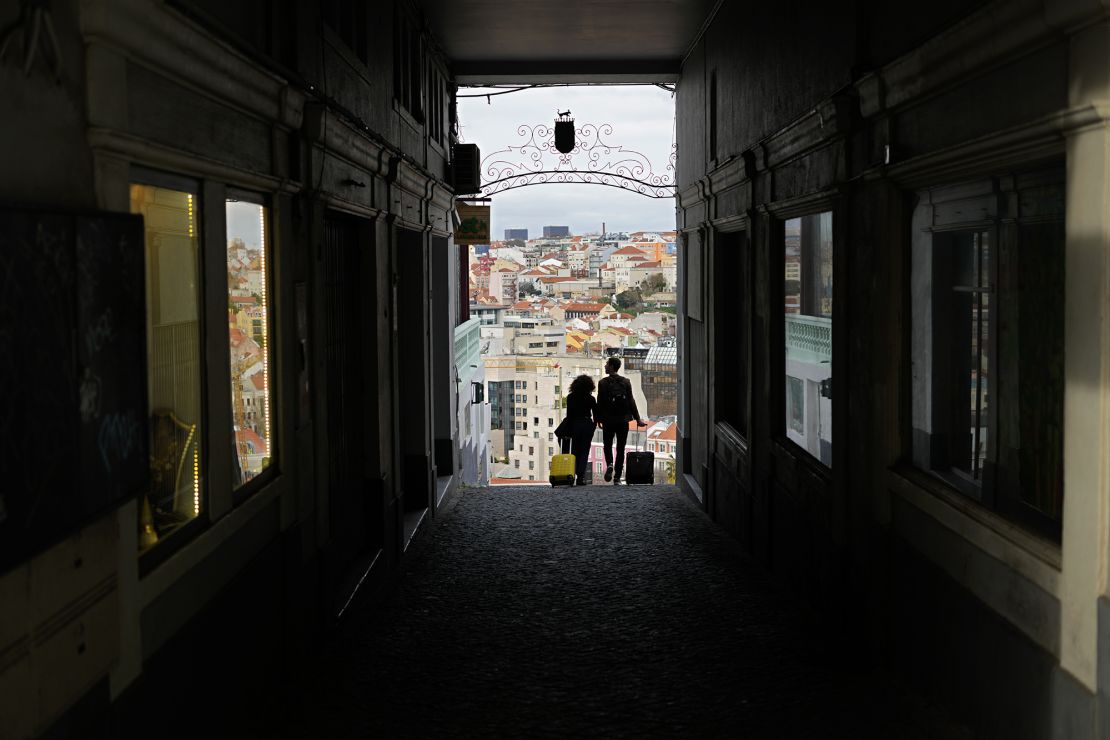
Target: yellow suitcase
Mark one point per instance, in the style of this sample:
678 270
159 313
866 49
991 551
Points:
562 470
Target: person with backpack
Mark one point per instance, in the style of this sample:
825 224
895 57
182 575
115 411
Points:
615 408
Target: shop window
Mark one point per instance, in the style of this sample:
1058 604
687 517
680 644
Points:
807 333
249 295
988 343
174 360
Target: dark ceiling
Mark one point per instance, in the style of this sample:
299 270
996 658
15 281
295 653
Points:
585 40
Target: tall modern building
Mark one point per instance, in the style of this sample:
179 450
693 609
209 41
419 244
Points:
516 234
552 231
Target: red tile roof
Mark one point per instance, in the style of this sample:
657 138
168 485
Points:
252 438
668 434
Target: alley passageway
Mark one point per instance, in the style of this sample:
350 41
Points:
598 611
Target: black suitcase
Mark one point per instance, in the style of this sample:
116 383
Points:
639 468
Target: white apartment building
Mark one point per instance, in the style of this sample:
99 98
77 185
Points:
644 270
503 284
578 258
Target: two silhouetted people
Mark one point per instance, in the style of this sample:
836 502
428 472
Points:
613 408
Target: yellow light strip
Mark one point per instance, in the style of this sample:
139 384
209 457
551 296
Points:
192 231
196 481
265 336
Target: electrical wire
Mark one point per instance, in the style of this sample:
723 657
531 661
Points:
502 90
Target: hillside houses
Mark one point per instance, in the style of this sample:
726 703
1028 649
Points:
556 296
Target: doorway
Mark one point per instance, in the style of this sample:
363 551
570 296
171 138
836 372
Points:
414 354
351 368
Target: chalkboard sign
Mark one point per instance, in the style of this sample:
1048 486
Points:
73 431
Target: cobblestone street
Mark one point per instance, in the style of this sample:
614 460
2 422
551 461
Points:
598 611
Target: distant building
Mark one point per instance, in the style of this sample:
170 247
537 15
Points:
552 231
521 234
632 358
488 313
502 412
660 379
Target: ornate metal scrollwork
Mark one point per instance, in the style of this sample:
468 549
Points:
592 161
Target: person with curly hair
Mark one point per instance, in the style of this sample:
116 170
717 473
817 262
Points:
580 423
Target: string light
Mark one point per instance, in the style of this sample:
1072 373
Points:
196 482
192 231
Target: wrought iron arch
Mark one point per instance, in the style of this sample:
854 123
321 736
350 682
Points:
592 161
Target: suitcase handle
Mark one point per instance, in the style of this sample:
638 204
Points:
564 445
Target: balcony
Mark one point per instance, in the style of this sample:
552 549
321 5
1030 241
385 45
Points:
467 349
808 338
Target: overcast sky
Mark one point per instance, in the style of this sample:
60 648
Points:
243 223
642 117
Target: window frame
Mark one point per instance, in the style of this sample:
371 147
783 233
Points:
409 65
354 34
733 412
241 493
995 194
807 206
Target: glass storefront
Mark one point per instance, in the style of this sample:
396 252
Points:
172 245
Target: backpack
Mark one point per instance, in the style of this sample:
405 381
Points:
616 396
